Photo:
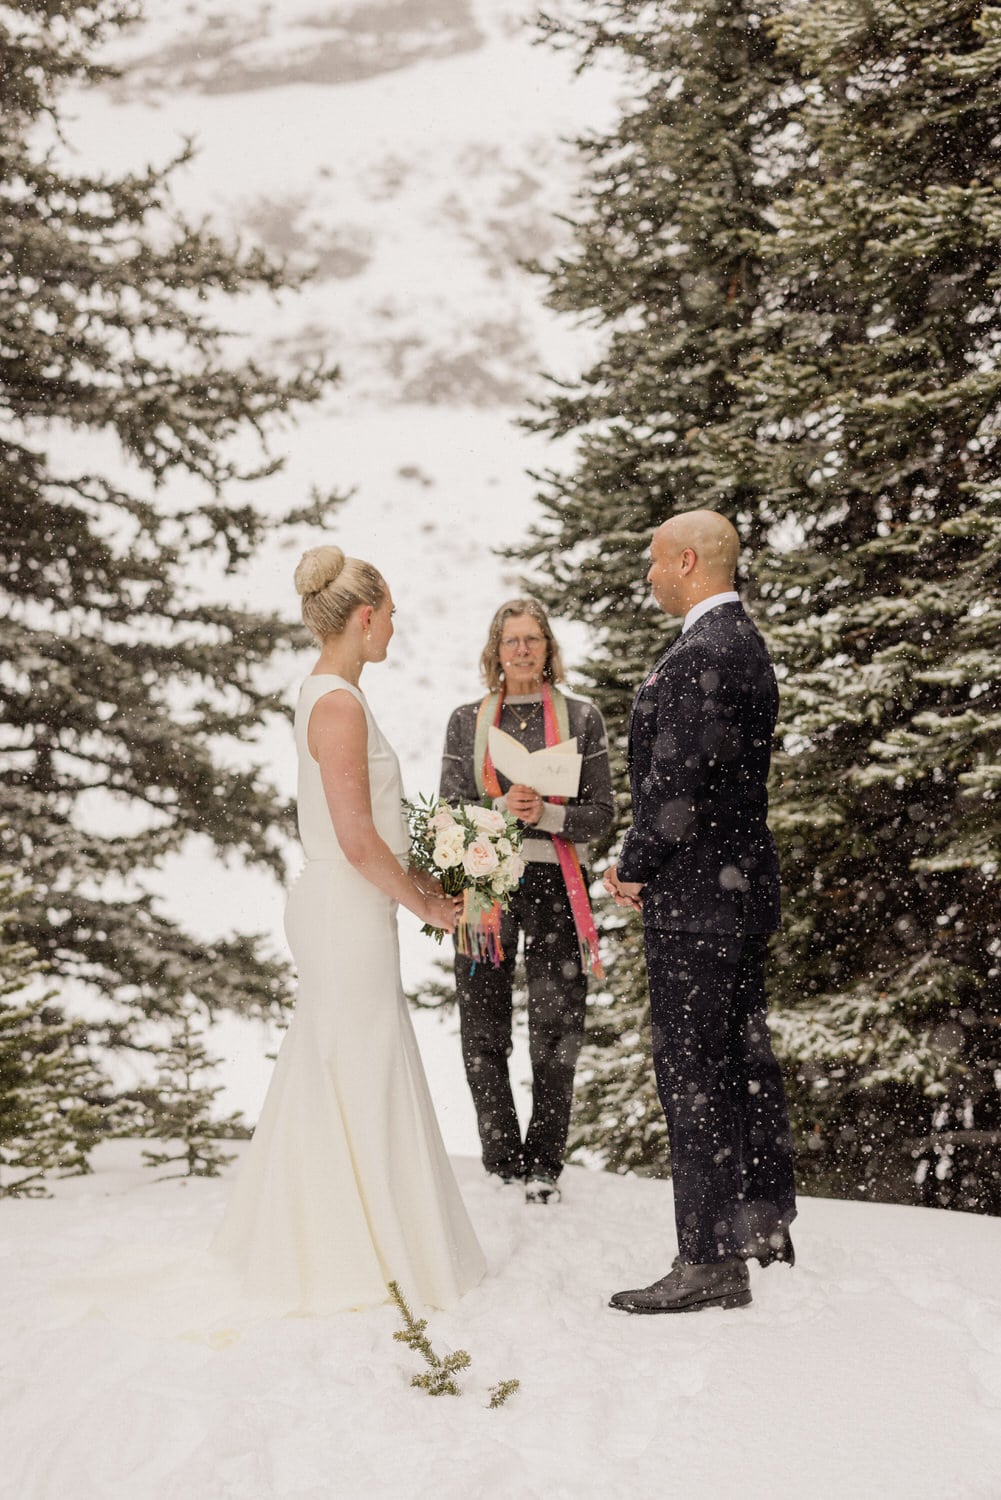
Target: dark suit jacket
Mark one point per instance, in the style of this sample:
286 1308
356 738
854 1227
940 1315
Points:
700 740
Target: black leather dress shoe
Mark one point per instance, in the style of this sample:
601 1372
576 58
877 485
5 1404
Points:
721 1283
778 1247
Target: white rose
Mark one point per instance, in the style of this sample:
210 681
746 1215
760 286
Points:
504 848
449 847
480 859
442 820
486 819
513 868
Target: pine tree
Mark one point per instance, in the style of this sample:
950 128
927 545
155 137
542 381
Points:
50 1094
662 265
874 429
816 355
179 1106
125 692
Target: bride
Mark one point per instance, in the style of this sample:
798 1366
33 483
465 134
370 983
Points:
346 1185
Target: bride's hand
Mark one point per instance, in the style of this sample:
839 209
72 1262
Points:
442 911
426 883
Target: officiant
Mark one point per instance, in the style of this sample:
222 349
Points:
522 667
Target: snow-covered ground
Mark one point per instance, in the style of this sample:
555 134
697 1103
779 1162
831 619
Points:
871 1371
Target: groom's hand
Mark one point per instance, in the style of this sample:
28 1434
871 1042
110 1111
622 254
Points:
624 892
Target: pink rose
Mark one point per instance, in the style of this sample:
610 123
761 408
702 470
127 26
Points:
480 859
486 819
442 819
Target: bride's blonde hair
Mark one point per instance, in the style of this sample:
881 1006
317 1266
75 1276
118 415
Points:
332 587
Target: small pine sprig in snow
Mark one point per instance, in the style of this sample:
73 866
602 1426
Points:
500 1392
439 1378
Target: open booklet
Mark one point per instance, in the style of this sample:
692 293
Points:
552 772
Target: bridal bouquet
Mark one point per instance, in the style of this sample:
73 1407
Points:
475 852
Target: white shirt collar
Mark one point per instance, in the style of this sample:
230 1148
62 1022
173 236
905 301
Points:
705 605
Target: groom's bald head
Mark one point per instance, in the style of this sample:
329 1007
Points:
692 555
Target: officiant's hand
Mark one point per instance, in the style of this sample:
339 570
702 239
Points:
624 892
525 803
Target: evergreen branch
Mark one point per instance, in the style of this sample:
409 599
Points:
500 1392
438 1379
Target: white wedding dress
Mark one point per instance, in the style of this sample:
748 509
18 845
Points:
346 1185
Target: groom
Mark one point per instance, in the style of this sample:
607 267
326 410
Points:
700 864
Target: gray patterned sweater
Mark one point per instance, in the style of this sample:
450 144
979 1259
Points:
587 816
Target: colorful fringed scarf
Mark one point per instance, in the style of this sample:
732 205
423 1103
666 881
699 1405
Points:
478 930
481 932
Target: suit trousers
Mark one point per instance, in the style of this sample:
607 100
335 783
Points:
722 1093
557 989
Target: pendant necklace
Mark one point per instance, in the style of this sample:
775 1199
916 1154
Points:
523 722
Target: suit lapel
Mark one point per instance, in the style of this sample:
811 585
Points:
701 624
648 679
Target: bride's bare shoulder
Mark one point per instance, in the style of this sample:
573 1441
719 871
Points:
337 721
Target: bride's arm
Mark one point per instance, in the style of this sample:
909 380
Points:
426 882
338 741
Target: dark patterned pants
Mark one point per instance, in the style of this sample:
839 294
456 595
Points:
721 1089
557 989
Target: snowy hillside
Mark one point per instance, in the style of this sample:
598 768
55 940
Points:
871 1371
412 154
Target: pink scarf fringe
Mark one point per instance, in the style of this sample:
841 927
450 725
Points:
573 875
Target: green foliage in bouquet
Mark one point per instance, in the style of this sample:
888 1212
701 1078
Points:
473 849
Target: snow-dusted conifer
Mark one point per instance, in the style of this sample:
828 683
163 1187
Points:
873 427
179 1106
50 1094
120 682
817 356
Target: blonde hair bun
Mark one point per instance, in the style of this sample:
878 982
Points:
318 567
332 586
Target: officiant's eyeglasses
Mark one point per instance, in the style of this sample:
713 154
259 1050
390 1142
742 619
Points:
509 642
